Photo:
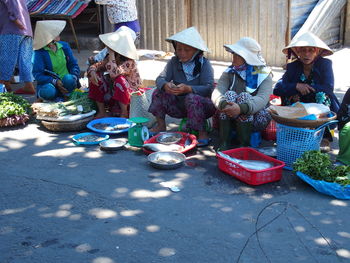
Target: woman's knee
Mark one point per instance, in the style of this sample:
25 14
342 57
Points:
47 91
70 82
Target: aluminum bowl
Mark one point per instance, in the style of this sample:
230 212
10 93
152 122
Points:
112 145
166 160
169 137
269 151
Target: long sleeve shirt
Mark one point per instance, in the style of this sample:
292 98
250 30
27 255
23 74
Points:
323 80
259 100
128 69
11 10
202 85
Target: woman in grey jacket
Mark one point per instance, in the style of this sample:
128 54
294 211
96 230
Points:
242 93
184 87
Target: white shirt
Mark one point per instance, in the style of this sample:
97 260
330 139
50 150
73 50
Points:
120 10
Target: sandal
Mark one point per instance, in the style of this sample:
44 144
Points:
23 91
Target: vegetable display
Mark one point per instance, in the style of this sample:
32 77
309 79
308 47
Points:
318 166
79 103
12 105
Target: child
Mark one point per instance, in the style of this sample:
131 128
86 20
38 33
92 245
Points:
112 80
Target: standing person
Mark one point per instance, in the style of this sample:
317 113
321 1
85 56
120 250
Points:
185 85
121 13
55 68
112 80
16 44
309 78
242 93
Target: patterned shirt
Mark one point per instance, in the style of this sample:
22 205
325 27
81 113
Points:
119 11
128 69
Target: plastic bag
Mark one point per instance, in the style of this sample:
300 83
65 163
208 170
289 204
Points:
139 104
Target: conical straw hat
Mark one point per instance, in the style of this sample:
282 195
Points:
46 31
308 39
249 49
128 29
120 42
190 37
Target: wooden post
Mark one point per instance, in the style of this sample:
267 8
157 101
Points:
74 34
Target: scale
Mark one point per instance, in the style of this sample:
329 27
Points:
138 133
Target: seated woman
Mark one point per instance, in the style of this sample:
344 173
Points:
344 130
185 85
310 77
112 80
242 93
103 53
54 67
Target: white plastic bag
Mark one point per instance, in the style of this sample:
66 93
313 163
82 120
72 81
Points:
139 104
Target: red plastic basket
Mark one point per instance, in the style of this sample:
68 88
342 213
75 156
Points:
252 177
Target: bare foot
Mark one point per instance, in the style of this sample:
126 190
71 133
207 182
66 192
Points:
29 87
158 129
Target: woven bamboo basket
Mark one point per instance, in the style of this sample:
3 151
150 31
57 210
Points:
67 125
302 123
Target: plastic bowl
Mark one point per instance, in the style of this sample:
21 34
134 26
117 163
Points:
169 137
166 160
89 138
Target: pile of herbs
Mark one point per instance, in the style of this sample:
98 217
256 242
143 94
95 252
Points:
318 166
12 105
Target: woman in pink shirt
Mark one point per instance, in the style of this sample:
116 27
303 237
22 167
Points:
112 80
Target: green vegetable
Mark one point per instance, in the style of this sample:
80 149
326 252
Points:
11 104
318 166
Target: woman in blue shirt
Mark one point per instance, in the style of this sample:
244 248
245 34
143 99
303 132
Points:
54 67
309 78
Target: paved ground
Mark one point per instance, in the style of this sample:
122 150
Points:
64 203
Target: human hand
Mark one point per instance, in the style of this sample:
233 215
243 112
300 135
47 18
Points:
232 110
304 89
94 78
19 24
111 54
170 88
59 86
91 60
183 89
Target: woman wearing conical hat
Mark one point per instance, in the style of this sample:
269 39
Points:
242 93
55 68
112 80
185 85
310 77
